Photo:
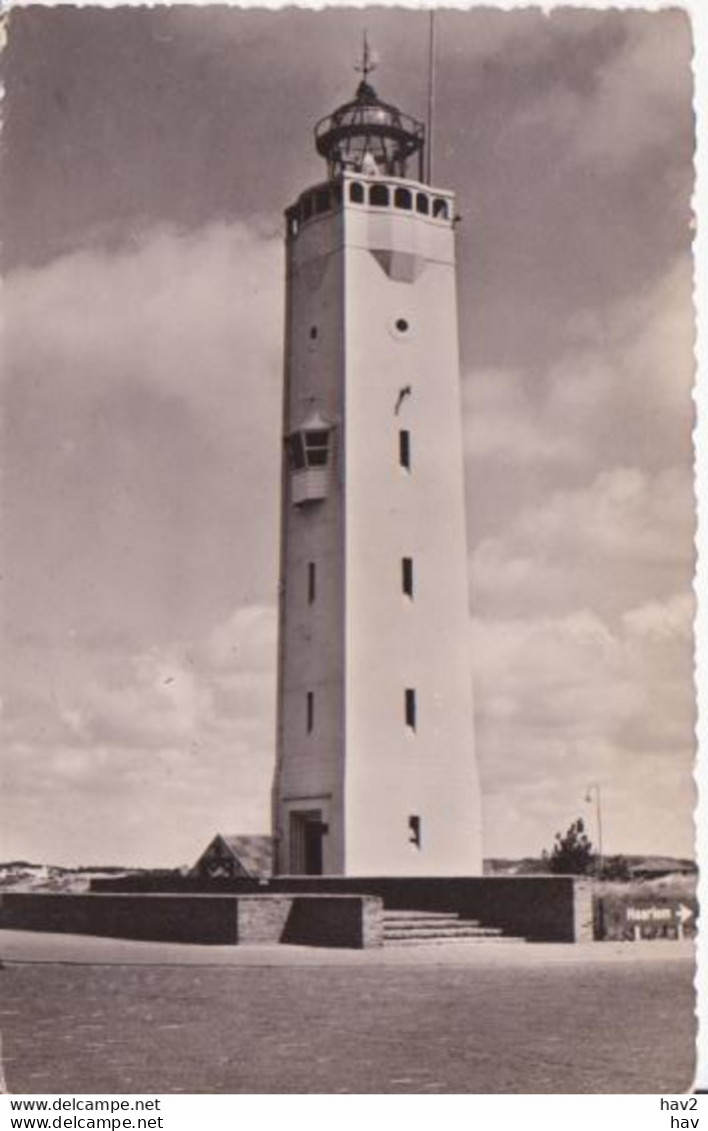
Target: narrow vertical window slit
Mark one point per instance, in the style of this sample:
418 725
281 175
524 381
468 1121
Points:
415 831
407 576
311 582
410 708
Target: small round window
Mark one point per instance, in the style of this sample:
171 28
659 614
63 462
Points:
400 328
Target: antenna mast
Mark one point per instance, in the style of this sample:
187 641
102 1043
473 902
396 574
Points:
431 96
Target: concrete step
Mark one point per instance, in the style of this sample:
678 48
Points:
423 921
432 915
417 928
455 931
469 940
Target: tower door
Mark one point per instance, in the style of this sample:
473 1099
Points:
313 848
306 833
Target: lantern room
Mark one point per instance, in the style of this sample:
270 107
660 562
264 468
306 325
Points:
371 137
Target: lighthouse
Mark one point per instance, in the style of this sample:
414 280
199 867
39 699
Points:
375 770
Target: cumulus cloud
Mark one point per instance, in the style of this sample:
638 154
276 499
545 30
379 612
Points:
566 700
504 420
144 390
582 521
189 727
637 96
620 388
185 313
144 393
671 620
626 535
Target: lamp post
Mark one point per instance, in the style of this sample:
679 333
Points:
594 787
431 96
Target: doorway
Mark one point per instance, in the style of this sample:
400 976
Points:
306 848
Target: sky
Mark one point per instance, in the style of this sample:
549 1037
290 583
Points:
148 155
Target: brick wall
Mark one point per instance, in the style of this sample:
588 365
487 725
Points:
307 920
263 919
331 920
539 908
166 918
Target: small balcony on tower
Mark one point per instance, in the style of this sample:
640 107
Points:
309 460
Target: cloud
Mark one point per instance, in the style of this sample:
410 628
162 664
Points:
249 630
503 420
565 700
142 426
657 622
638 94
626 535
143 407
182 313
582 518
619 389
125 735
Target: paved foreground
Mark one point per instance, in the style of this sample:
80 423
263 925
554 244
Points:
94 1015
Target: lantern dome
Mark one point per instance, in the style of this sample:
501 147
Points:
370 137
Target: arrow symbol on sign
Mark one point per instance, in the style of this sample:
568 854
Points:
684 913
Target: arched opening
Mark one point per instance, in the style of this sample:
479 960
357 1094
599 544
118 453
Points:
422 203
440 209
321 201
356 193
403 198
378 196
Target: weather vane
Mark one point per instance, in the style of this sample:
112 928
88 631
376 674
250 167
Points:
369 59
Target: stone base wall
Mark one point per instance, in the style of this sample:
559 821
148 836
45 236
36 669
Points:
166 918
537 908
263 919
351 921
333 920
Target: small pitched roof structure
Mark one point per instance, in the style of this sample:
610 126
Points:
232 857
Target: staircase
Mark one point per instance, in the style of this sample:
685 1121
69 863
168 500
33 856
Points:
411 928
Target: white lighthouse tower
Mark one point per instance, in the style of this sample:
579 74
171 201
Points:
376 772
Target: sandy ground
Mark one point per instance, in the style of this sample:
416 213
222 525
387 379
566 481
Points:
83 1015
29 946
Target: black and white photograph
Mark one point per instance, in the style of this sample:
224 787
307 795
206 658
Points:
349 518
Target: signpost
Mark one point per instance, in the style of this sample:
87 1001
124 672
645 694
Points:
672 915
